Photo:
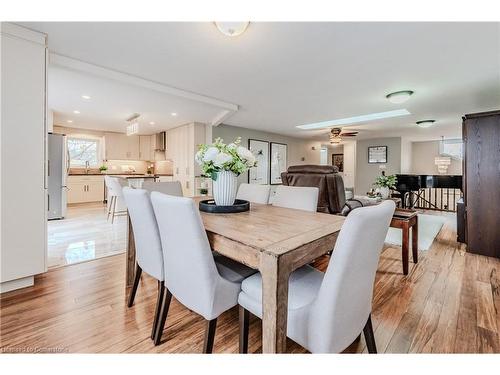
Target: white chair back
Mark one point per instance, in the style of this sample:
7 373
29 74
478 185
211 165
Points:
190 271
169 187
298 197
344 301
146 235
114 186
254 193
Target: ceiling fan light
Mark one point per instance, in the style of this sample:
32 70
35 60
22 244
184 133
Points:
425 123
399 96
232 28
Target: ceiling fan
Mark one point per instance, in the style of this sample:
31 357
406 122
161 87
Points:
336 135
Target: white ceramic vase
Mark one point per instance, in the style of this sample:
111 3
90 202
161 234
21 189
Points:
224 188
384 192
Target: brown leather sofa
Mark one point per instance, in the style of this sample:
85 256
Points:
331 197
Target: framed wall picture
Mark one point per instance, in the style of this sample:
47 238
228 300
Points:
377 154
260 174
279 161
338 161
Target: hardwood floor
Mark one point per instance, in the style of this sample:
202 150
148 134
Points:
449 302
85 234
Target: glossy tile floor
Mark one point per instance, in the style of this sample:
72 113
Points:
84 235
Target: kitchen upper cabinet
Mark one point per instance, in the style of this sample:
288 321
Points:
145 149
122 147
132 147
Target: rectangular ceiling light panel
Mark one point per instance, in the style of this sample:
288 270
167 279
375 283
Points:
355 119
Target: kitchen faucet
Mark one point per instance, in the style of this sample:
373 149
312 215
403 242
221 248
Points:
87 166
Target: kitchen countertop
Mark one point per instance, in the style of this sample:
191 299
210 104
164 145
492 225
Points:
124 175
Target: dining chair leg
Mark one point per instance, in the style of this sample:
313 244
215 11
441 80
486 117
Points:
137 278
165 305
109 207
209 336
159 300
114 209
244 325
369 336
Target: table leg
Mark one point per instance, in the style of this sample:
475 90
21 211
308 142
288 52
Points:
274 304
129 272
414 240
404 247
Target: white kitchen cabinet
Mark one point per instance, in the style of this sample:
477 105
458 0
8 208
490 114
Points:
182 145
23 162
121 146
84 189
145 150
132 147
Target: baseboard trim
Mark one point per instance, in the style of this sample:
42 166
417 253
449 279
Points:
24 282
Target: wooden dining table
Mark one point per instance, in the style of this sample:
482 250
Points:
273 240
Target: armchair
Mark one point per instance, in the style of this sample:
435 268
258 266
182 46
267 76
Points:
331 198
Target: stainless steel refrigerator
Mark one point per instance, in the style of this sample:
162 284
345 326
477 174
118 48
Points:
57 172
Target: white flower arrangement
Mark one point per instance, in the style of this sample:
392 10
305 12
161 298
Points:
221 157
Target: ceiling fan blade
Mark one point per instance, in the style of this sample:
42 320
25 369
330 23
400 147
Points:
349 134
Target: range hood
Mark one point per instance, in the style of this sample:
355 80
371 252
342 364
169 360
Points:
161 141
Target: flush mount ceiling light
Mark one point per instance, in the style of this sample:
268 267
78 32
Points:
173 114
355 119
86 97
399 96
69 121
151 123
232 28
425 123
76 112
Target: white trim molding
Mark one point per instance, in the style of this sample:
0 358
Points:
13 30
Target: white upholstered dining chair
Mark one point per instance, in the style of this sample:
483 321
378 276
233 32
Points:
327 311
254 193
166 187
298 197
203 284
149 256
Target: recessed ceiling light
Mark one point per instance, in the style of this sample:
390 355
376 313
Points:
174 114
86 97
425 123
355 119
76 112
399 96
152 123
69 121
232 28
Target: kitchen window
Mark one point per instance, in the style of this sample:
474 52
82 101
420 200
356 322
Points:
83 150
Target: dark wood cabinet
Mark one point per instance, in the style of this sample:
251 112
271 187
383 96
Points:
481 183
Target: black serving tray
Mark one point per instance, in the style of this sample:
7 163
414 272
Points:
239 205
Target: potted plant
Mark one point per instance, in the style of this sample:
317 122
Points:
223 164
384 183
103 169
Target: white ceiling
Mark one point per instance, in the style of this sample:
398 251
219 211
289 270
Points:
287 74
112 102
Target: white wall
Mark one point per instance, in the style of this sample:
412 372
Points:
365 172
406 155
23 143
349 174
423 159
299 150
